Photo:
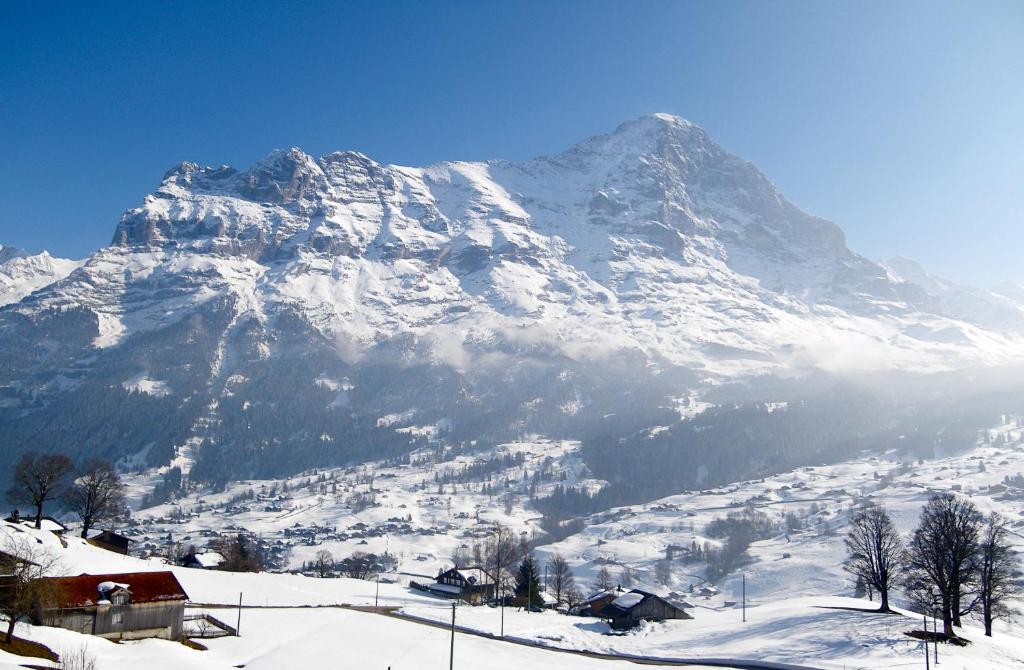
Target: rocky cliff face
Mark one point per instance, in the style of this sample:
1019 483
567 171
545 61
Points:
307 310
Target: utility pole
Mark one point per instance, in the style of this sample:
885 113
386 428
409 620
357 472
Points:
935 640
376 593
502 597
744 597
927 656
238 622
451 654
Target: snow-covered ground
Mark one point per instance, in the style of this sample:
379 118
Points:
820 632
793 579
415 518
805 561
439 519
298 639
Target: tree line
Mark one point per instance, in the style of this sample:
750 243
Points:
957 561
94 492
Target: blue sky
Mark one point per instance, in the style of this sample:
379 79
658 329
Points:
901 121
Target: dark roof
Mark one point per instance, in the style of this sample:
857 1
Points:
105 534
612 593
614 609
145 587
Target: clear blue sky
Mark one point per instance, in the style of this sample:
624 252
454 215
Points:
901 121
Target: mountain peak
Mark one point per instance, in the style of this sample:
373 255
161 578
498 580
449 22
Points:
7 253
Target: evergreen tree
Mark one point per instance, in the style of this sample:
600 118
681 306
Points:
528 583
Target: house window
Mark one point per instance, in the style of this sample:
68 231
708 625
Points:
118 617
120 599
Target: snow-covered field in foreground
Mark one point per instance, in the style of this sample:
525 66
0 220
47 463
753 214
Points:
277 639
808 631
816 632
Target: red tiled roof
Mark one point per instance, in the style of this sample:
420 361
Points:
145 587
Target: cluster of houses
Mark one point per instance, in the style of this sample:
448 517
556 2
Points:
126 606
622 609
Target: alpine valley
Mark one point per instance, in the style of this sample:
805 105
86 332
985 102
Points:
645 294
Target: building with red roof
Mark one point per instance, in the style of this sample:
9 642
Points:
121 606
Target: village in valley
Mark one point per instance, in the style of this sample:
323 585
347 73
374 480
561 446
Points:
700 575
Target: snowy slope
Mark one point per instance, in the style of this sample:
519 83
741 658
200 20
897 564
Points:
22 273
1001 311
283 628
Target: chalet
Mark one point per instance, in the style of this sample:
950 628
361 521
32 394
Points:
470 584
45 523
109 540
631 608
205 560
124 606
707 591
595 604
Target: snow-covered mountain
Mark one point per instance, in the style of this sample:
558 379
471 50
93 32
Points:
312 306
1000 310
21 273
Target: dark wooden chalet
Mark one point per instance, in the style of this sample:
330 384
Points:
123 606
203 560
595 605
111 541
631 608
470 584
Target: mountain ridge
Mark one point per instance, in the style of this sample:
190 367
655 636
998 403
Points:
332 292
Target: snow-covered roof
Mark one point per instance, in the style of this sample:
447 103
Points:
209 559
628 600
602 594
547 598
46 523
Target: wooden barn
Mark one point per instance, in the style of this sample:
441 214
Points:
124 606
110 540
631 608
595 605
473 585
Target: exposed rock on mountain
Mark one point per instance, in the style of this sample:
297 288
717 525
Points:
318 310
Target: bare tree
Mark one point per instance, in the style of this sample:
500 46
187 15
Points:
323 563
37 479
97 495
560 579
461 557
942 555
24 594
877 555
358 566
79 658
603 580
573 597
626 577
663 572
501 554
241 554
997 563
